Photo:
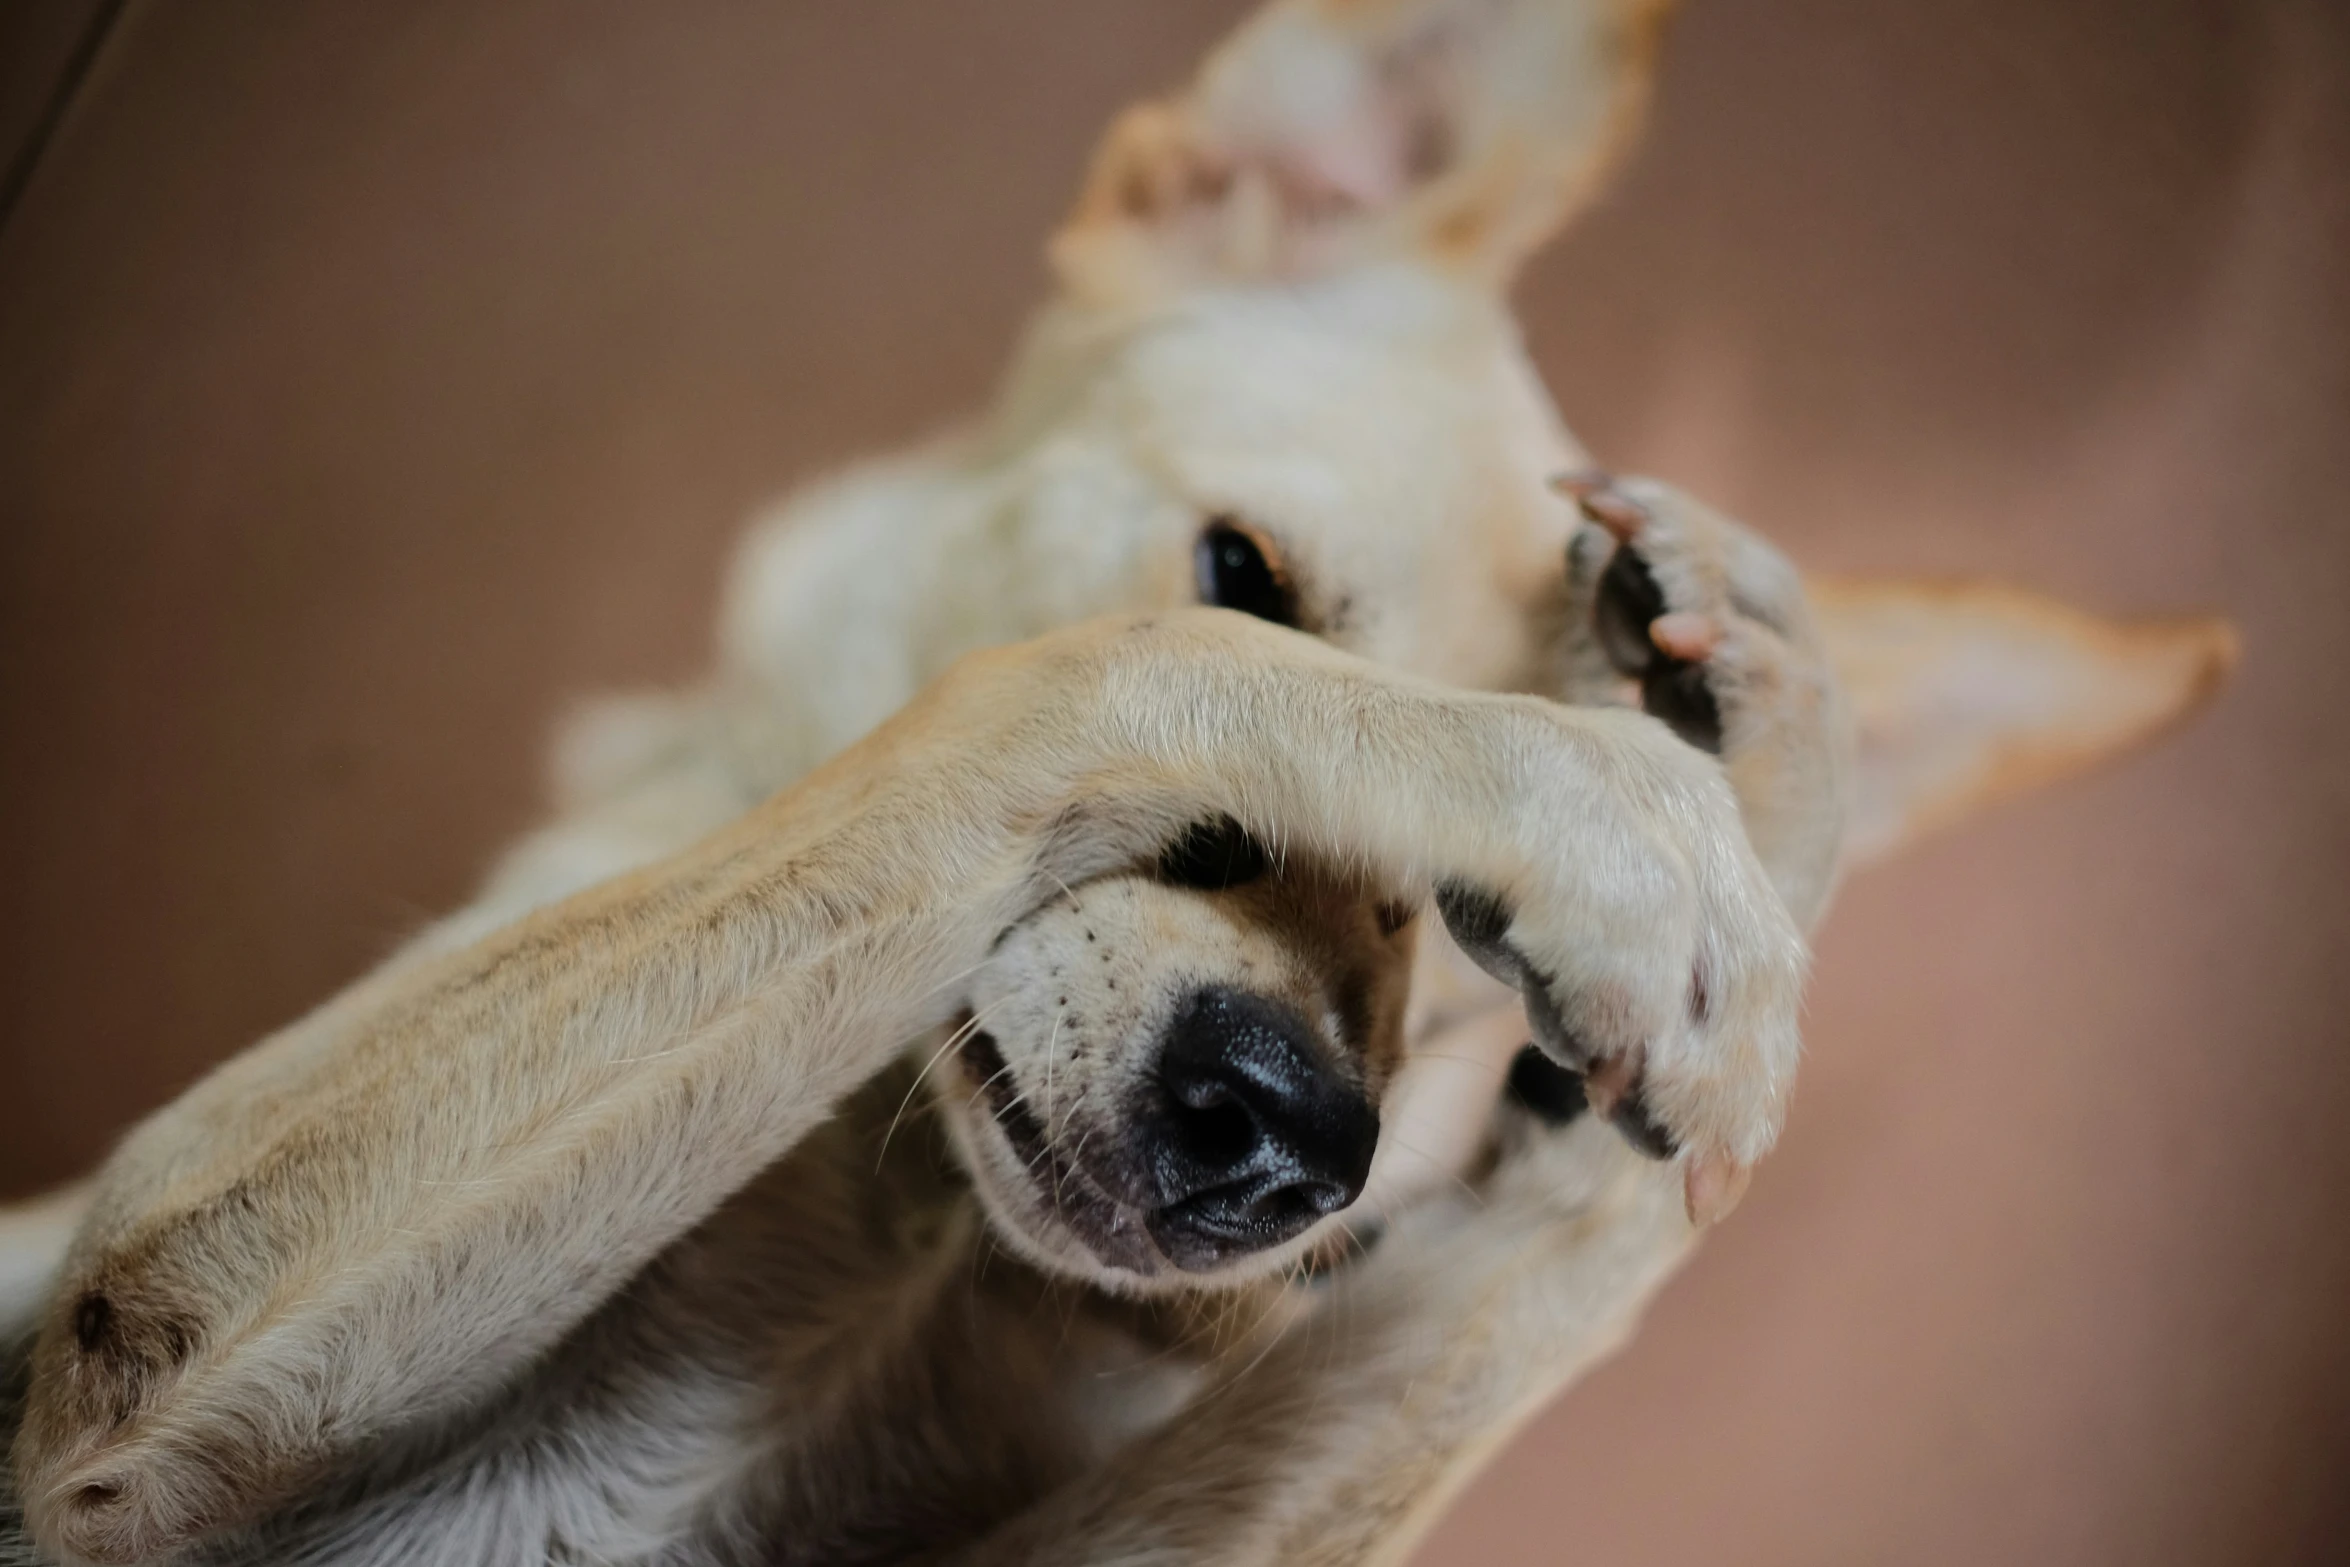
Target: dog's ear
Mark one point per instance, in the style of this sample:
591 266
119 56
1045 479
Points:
1329 133
1965 694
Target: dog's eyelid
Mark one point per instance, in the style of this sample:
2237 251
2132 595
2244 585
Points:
1213 855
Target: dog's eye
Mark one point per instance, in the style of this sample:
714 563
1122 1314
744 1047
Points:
1234 574
1211 856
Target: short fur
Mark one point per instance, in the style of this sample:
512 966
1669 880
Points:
652 1209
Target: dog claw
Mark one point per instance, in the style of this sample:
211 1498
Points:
1686 635
1576 483
1595 495
1713 1186
1622 516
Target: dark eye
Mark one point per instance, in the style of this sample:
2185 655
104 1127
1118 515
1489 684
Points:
1234 574
1211 856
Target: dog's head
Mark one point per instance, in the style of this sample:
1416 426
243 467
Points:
1281 375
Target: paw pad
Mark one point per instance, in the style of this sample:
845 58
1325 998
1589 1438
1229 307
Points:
1547 1089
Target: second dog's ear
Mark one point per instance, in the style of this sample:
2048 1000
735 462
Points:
1964 694
1331 133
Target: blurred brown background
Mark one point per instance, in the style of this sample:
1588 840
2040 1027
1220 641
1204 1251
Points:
374 378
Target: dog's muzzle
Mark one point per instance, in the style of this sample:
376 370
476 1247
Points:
1249 1133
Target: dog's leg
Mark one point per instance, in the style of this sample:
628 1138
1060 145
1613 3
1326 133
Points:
379 1215
725 1406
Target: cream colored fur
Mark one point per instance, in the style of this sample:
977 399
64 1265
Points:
629 1215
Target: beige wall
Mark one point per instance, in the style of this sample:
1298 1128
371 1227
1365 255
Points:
372 378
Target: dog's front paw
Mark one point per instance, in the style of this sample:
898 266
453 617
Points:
1712 625
1659 968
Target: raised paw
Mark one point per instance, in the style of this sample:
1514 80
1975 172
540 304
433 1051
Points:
1711 624
1707 1086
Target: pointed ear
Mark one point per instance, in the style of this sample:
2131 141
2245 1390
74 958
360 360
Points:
1329 133
1965 694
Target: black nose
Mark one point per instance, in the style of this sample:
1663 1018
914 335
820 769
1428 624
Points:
1252 1135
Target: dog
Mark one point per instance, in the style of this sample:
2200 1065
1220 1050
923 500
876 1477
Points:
1029 1062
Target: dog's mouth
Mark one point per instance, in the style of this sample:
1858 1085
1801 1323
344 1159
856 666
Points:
984 1059
1116 1234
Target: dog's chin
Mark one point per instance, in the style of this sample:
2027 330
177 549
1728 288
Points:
1049 1210
1115 1252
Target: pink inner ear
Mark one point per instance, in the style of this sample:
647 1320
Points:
1333 127
1362 158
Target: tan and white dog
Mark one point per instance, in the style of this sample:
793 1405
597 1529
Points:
1049 1129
